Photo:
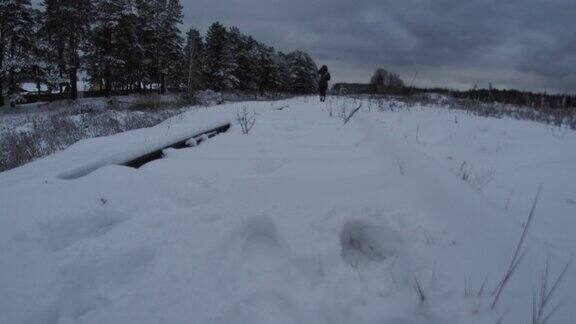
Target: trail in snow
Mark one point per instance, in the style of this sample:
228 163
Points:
304 220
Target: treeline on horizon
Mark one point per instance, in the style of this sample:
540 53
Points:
135 46
387 83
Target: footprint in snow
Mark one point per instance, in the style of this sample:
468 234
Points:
261 247
253 257
362 243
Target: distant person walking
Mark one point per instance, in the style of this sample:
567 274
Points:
323 82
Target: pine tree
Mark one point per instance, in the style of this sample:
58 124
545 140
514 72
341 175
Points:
129 52
171 56
281 79
146 38
220 63
50 50
303 73
267 76
113 35
15 45
68 21
55 45
193 54
37 67
245 53
161 40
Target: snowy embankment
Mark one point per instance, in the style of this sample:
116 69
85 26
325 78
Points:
33 131
304 220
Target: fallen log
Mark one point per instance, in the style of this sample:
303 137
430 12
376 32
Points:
157 154
136 157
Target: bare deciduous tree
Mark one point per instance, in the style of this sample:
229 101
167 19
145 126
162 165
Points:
246 119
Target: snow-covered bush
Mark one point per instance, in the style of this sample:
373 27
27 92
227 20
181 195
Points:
17 148
209 98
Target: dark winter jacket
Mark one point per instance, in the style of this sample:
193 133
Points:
324 78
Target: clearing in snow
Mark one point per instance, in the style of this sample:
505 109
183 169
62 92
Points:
404 216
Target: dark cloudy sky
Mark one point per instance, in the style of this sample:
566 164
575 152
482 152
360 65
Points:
528 44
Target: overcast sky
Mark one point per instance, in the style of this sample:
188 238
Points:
525 44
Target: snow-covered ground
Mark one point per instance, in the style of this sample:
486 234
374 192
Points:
304 220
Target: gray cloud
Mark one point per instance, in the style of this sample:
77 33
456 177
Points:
528 44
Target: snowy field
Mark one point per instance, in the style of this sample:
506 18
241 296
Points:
304 220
